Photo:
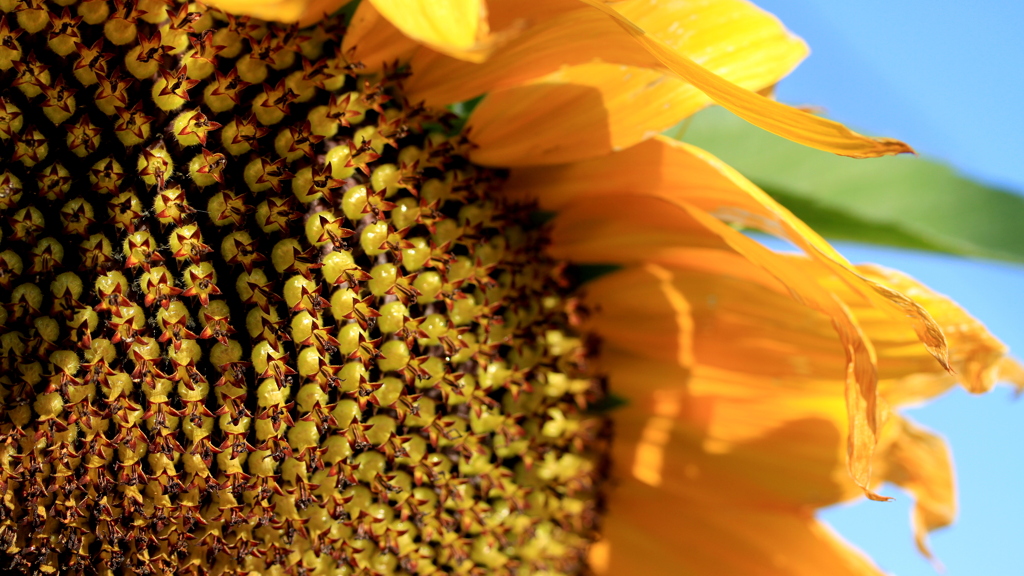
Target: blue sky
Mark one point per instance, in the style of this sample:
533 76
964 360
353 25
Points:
947 77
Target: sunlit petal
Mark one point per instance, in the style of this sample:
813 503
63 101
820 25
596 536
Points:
304 12
589 109
777 118
455 27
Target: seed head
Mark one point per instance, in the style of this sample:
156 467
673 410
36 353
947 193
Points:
259 316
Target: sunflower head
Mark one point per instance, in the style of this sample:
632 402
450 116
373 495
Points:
262 315
269 308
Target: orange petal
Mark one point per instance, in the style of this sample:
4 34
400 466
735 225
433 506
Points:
777 118
719 507
713 444
862 379
521 126
805 288
747 321
1011 371
693 538
727 425
374 41
740 326
648 534
667 335
691 180
526 13
734 416
666 168
631 230
748 324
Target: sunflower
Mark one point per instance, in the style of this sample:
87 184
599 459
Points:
272 308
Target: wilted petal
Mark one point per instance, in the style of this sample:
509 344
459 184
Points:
777 118
919 462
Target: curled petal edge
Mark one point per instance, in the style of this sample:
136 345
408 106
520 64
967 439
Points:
775 117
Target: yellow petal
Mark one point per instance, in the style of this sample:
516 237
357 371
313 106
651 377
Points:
915 388
586 110
742 392
770 115
559 36
740 326
305 12
522 126
574 37
455 27
1011 371
664 167
374 42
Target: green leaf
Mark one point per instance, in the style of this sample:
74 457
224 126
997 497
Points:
903 201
